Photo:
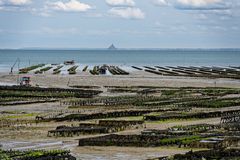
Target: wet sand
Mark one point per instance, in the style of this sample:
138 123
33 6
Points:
137 78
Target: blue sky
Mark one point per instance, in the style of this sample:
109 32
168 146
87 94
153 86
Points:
126 23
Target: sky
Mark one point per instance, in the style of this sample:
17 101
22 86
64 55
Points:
125 23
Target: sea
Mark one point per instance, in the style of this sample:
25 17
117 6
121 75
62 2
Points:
121 57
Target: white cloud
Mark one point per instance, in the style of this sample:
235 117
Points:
14 2
127 13
202 4
195 4
14 5
120 2
204 9
70 6
44 12
19 2
198 3
161 2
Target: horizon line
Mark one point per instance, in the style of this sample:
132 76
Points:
88 48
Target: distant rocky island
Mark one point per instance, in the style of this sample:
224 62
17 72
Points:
112 47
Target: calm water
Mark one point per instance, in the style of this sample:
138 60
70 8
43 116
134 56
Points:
122 57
